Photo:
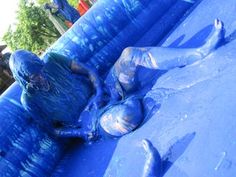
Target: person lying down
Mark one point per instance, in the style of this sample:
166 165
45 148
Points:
68 98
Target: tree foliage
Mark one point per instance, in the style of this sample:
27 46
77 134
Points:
74 3
34 31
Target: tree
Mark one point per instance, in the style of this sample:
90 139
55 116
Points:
34 31
74 3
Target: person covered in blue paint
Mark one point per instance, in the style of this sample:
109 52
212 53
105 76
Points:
67 97
63 8
55 91
122 81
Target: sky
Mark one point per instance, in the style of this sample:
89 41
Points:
8 10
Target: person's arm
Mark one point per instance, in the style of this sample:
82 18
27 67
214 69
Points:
40 119
113 87
75 133
80 68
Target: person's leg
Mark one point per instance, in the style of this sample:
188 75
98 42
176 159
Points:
153 165
168 58
125 68
113 87
121 77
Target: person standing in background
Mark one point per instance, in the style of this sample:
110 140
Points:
4 61
6 78
63 8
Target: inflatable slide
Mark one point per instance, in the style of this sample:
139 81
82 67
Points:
189 117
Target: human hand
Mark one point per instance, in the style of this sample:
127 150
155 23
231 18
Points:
95 102
85 134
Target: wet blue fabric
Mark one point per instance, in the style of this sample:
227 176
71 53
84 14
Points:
67 11
63 95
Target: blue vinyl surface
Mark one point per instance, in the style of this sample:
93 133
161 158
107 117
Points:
193 126
192 118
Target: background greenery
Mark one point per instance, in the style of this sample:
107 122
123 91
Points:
71 2
34 31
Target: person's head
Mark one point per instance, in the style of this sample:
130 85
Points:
27 68
47 6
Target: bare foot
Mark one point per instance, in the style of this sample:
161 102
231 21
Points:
217 37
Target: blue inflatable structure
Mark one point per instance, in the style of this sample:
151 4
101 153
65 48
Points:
190 117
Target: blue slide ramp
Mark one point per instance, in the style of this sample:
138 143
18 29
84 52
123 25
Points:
192 123
193 126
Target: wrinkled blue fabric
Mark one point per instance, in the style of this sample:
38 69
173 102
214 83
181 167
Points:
68 93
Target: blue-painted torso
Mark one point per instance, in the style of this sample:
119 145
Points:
68 94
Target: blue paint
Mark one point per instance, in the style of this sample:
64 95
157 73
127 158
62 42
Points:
186 107
66 10
56 91
192 103
122 118
42 83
